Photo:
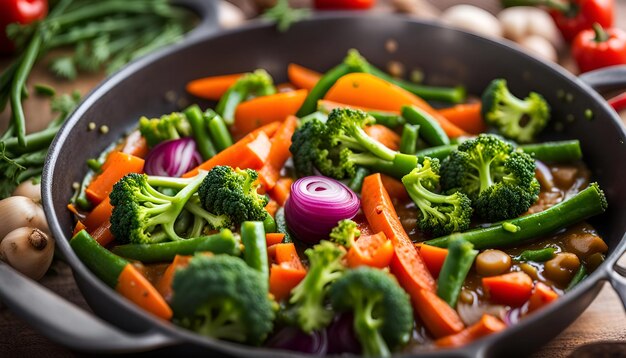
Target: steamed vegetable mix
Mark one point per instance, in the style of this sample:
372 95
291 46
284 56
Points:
367 225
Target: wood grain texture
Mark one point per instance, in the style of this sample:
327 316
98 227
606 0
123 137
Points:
603 321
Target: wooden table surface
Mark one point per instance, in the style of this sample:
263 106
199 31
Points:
604 320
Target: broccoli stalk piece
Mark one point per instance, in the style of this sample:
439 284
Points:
307 298
345 233
233 192
144 215
498 179
257 83
340 146
168 127
517 119
383 317
441 214
222 297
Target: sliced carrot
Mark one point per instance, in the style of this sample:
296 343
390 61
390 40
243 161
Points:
213 87
135 144
271 207
279 153
439 318
512 289
134 286
79 226
433 258
384 135
286 253
274 238
283 278
99 215
487 325
102 234
366 90
395 188
164 285
280 192
370 250
302 77
406 265
250 151
260 111
542 295
466 116
117 165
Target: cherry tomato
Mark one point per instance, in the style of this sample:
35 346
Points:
344 4
21 11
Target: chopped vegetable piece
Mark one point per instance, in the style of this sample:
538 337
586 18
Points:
457 264
258 83
255 248
164 285
260 111
384 135
279 153
408 141
281 191
430 129
302 77
117 165
433 257
541 296
487 325
466 116
214 87
512 289
540 255
370 250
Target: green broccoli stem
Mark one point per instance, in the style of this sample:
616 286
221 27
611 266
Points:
458 262
357 181
367 329
399 166
559 152
430 129
439 152
200 132
370 145
223 242
540 255
587 203
255 247
102 262
218 130
484 174
408 141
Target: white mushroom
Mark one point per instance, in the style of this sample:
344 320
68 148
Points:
522 21
230 15
28 250
20 211
473 19
540 47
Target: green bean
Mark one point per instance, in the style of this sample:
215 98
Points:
183 222
218 130
389 120
38 140
269 224
255 247
541 255
579 276
200 132
281 225
458 262
430 129
223 242
408 141
357 182
561 151
440 152
102 262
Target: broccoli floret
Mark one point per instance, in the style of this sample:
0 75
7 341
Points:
169 126
339 146
144 215
383 317
233 192
222 297
441 214
257 83
307 298
499 179
345 233
517 119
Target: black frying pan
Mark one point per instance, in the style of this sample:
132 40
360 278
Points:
447 56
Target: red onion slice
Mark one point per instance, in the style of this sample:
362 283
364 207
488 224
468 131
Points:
173 158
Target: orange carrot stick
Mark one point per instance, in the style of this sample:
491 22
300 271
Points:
384 135
542 295
440 319
134 286
102 234
249 152
302 77
512 289
433 258
279 153
366 90
287 273
99 215
117 165
164 286
274 238
267 109
213 87
466 116
370 250
280 192
394 188
487 325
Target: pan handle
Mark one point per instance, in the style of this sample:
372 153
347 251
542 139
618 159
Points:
606 79
617 275
66 324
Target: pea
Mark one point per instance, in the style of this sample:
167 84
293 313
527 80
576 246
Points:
562 268
492 262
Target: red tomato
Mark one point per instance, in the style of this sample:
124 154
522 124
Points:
579 15
21 11
343 4
596 48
